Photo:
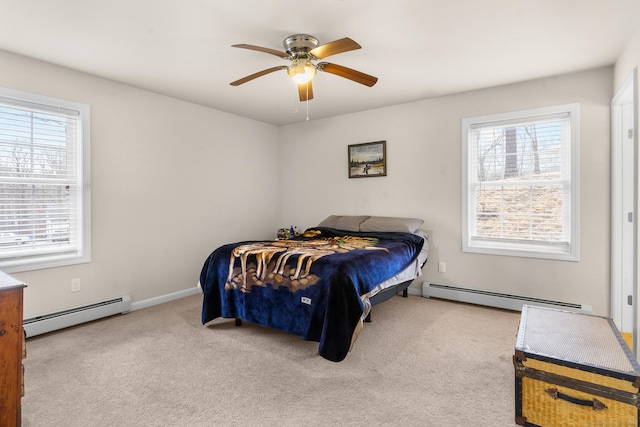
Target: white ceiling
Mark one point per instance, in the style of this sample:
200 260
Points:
417 48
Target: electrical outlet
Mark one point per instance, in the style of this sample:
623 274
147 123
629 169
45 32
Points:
75 285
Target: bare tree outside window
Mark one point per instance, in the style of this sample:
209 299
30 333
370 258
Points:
34 196
42 168
520 181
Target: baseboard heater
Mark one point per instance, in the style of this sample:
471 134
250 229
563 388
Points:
495 299
75 316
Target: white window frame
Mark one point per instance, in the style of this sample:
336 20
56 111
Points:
567 251
80 251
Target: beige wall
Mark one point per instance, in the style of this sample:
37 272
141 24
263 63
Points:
170 181
424 180
628 60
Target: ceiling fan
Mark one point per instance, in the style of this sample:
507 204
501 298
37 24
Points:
302 50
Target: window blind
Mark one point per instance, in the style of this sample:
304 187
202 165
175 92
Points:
521 182
41 181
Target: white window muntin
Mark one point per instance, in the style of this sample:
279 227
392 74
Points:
568 247
49 236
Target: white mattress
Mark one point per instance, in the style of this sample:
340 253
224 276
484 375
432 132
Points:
411 272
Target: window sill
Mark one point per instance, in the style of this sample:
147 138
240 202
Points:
525 251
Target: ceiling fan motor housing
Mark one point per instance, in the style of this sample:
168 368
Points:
300 44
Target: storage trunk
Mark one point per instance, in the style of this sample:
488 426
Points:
573 369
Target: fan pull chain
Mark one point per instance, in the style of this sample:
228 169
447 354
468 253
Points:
295 107
295 101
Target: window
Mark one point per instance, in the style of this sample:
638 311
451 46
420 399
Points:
44 182
520 183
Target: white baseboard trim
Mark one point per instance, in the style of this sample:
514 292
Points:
139 305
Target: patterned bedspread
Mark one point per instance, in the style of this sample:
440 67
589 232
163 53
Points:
312 286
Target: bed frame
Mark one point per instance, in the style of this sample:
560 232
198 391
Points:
385 294
388 293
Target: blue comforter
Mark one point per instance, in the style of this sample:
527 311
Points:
311 286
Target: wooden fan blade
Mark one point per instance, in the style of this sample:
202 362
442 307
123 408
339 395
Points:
278 53
334 47
305 91
348 73
256 75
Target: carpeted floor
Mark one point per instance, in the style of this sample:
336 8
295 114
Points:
421 362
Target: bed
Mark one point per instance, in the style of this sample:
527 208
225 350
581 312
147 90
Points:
319 285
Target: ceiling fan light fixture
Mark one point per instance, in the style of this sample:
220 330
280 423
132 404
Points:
302 50
301 70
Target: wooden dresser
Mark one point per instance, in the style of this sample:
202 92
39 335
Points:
12 350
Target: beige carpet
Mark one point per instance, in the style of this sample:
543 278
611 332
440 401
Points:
421 362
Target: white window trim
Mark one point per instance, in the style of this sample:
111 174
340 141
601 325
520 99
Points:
83 255
519 249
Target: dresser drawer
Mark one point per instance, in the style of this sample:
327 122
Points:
12 350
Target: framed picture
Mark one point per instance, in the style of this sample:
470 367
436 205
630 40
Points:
368 159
